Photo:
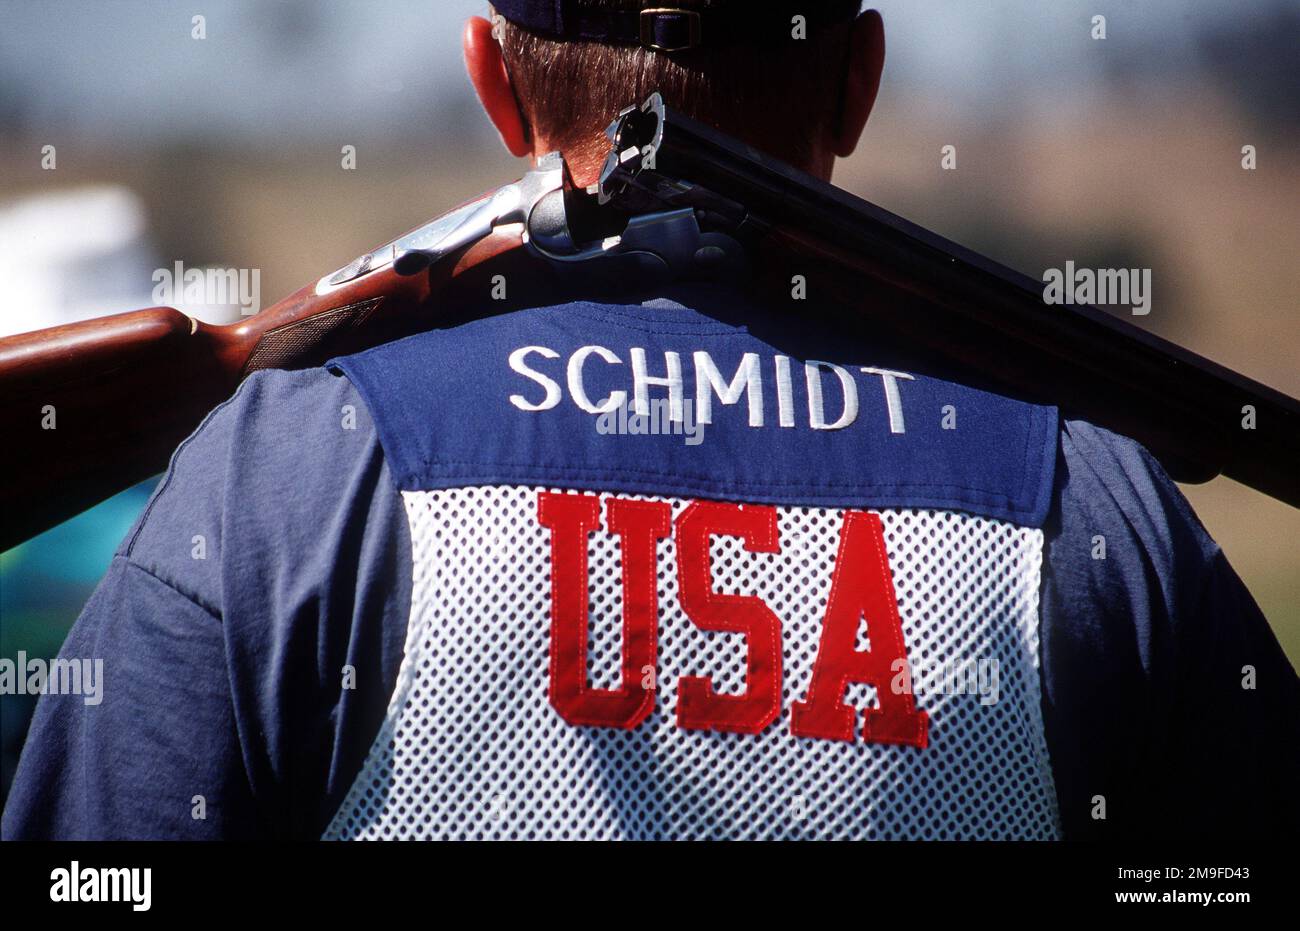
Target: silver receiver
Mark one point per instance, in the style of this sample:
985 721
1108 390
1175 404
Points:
658 229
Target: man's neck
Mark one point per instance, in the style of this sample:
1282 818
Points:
585 163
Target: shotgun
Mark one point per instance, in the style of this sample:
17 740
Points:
93 407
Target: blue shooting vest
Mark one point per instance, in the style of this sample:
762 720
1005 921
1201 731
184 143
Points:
674 579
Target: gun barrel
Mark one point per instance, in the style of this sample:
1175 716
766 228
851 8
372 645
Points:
1200 418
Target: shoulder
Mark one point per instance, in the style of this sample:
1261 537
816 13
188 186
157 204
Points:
1111 484
279 519
265 473
1146 635
1127 560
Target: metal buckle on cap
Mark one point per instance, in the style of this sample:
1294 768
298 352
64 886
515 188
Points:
648 18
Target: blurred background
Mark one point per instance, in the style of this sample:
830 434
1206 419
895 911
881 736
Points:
225 151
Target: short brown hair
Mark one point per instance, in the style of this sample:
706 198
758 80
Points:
776 98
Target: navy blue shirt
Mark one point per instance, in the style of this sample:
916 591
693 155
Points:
276 554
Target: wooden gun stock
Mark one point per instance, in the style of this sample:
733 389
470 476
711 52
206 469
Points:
91 408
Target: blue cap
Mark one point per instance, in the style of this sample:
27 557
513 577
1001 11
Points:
668 26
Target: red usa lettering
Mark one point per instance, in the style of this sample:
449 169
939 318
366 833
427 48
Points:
861 586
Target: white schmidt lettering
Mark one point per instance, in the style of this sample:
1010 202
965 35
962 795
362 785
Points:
835 396
518 364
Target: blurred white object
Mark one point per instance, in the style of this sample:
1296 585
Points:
81 253
71 255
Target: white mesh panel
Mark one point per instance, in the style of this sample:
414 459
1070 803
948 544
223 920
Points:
472 748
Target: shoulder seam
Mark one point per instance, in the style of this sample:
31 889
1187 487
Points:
171 467
192 599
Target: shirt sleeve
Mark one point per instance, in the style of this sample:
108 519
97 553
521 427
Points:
155 753
1171 710
250 630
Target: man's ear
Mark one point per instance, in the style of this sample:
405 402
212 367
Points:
866 60
487 72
